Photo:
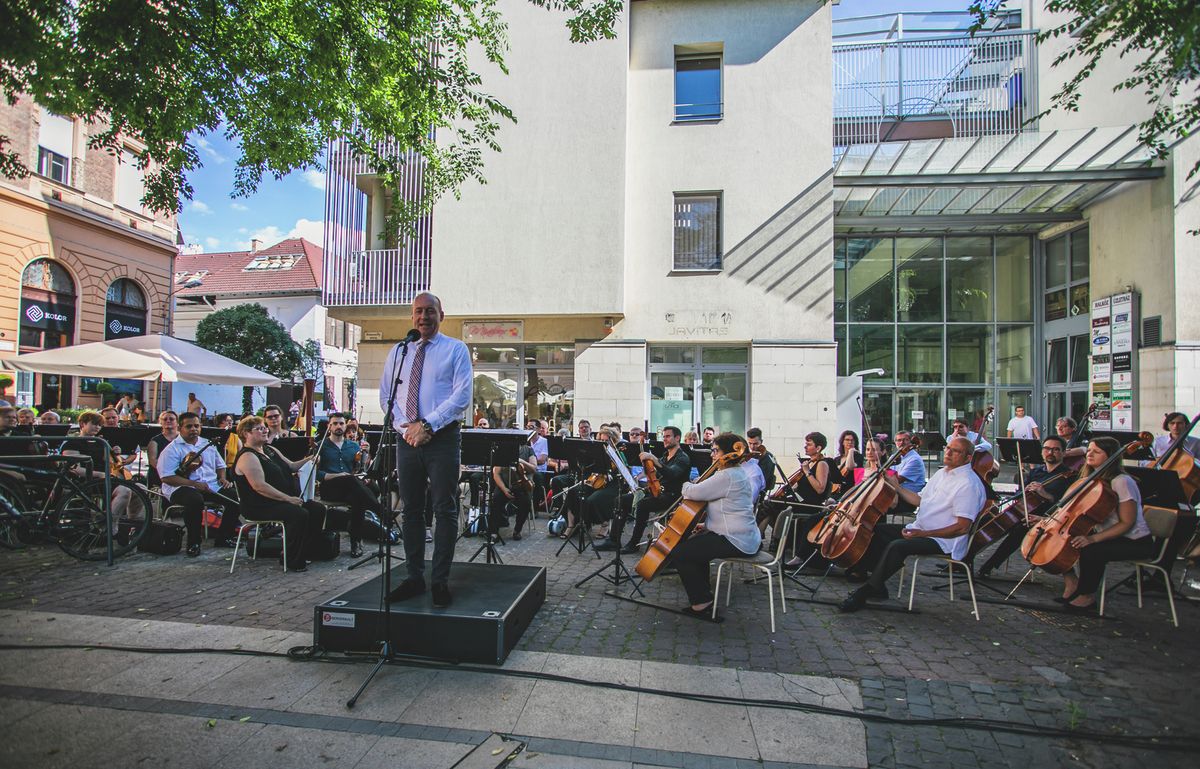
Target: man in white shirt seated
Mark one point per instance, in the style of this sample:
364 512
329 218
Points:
959 429
946 508
205 484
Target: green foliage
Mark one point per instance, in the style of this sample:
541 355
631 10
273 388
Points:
104 388
281 77
1160 35
5 381
247 334
312 363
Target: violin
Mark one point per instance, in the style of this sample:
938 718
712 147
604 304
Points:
1181 462
846 532
982 462
118 467
191 461
653 483
683 517
1087 503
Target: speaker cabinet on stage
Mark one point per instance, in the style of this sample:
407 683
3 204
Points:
492 607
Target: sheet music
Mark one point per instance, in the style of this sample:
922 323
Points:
307 474
618 462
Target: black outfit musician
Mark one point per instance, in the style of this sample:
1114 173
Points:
587 505
206 484
336 471
948 505
811 486
268 491
1047 482
673 469
508 496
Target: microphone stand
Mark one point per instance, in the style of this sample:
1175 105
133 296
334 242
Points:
377 471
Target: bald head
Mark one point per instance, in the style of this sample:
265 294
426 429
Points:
427 314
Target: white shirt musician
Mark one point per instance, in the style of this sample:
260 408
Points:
205 485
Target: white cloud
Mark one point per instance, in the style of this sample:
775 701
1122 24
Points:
309 229
212 243
207 148
239 207
193 248
313 232
314 178
199 207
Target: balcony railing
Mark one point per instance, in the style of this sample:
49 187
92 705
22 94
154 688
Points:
380 277
934 87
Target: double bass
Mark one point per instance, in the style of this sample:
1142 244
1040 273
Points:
1074 463
683 517
982 462
846 532
1087 503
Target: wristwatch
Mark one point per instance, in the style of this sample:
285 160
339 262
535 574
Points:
428 427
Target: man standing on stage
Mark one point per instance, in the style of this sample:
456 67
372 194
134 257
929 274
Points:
433 394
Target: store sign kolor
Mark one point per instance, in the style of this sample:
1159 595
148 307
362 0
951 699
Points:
47 316
119 325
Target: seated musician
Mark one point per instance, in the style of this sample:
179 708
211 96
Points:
1175 423
275 426
672 470
204 485
728 530
109 417
911 470
540 444
90 423
766 460
25 416
1076 445
268 491
168 421
691 438
946 508
848 458
600 505
960 429
585 486
508 495
49 418
1044 485
810 488
336 467
1123 535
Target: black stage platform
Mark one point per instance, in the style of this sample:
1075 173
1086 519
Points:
493 605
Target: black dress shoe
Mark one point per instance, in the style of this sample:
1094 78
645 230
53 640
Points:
356 550
413 586
516 535
633 548
856 576
441 595
297 566
855 601
193 551
607 544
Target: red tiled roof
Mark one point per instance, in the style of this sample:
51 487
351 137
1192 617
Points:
226 273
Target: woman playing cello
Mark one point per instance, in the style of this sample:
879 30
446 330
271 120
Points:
1123 535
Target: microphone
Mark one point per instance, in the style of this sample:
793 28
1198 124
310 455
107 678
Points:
412 335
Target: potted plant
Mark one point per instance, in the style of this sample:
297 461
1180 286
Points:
104 389
5 382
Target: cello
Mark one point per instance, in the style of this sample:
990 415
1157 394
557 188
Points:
846 532
982 462
1087 503
1181 462
683 517
1074 463
653 484
1002 515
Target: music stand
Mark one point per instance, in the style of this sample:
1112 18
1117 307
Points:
1141 454
294 449
620 573
931 443
584 454
1160 488
1021 451
701 458
491 448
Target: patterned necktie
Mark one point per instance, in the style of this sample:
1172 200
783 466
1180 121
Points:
412 406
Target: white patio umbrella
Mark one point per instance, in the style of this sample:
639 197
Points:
149 357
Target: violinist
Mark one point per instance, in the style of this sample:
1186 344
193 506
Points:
103 463
945 509
810 485
849 459
672 469
1044 486
168 421
579 511
728 530
766 462
601 504
275 427
510 494
204 484
708 435
911 470
336 466
1123 536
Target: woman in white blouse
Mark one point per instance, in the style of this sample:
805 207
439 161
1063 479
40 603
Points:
1124 534
728 530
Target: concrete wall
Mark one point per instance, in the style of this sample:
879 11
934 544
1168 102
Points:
610 383
793 391
769 155
545 234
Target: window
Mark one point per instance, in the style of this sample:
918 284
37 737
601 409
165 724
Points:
124 310
697 85
697 231
56 139
705 384
131 183
522 382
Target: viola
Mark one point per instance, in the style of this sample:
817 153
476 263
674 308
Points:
1087 503
653 484
191 461
119 467
682 519
846 532
1182 463
523 481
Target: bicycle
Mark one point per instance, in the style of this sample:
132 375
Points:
73 512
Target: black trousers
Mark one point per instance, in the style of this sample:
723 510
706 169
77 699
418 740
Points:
641 515
601 505
574 499
691 558
193 501
500 507
1008 545
1094 557
888 550
352 490
301 524
428 477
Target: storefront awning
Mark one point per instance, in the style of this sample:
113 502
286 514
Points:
1018 182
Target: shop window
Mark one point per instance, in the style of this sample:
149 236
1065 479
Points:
869 280
919 279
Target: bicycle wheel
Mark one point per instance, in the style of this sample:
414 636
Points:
80 520
13 505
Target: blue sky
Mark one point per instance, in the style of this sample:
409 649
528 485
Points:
295 205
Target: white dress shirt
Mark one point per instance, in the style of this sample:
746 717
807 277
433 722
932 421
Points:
445 391
973 436
949 495
730 510
170 457
541 448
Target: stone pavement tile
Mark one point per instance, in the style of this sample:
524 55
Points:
265 683
469 700
13 711
81 737
788 735
554 761
169 676
286 747
578 712
63 668
392 690
670 723
401 753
